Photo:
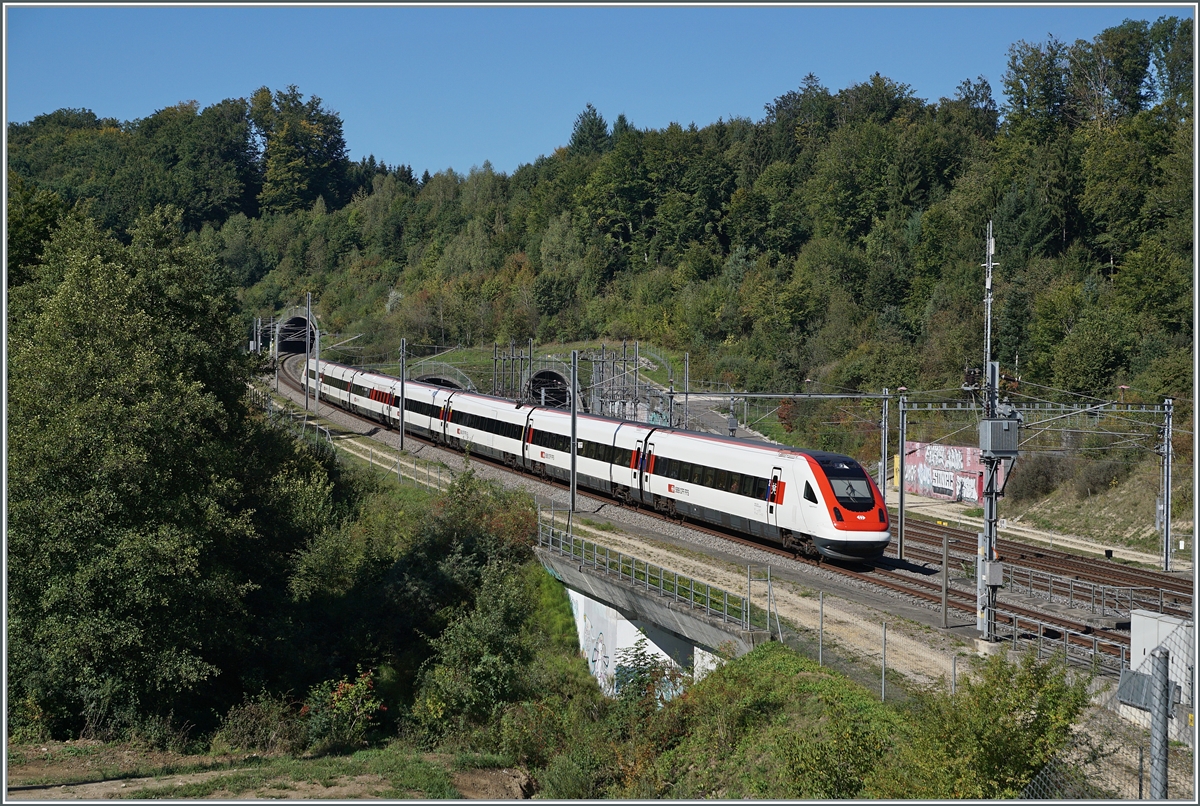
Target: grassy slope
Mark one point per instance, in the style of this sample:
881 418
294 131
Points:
1122 515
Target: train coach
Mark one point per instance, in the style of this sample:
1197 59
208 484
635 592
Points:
814 502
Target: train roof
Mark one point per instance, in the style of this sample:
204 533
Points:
821 457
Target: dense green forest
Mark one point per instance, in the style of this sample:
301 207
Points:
839 238
175 559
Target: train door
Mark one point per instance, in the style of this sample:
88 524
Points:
447 409
392 407
527 440
647 466
774 496
636 468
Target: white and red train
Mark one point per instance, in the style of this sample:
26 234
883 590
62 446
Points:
811 501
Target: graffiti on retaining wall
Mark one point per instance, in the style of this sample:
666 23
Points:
949 472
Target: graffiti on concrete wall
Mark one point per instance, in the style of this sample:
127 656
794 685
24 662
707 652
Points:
949 472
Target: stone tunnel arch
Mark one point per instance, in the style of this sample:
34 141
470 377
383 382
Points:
290 335
557 388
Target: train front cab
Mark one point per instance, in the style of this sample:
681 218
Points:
849 508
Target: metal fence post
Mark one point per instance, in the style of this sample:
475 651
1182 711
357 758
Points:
748 597
953 674
1141 771
821 630
883 669
1160 704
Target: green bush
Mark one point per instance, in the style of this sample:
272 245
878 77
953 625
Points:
1096 477
26 722
341 713
531 732
832 765
987 740
266 723
1037 476
479 661
564 780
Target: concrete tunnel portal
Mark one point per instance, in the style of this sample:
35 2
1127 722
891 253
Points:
556 388
291 334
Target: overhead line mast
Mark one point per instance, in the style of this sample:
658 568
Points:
997 442
990 388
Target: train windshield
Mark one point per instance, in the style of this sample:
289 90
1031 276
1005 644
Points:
850 485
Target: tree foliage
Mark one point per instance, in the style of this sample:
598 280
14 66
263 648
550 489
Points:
988 739
128 517
837 239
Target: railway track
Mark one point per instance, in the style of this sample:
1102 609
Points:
1046 572
1083 568
878 574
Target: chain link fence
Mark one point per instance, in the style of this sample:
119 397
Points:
1115 754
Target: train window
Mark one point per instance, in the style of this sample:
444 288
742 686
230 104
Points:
721 480
850 484
710 475
760 488
672 469
735 482
685 471
697 474
809 495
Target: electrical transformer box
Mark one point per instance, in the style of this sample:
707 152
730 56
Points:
998 438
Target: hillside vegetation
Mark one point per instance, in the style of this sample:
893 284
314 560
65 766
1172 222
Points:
1119 507
838 238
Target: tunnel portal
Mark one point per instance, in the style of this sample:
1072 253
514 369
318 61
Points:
291 335
557 389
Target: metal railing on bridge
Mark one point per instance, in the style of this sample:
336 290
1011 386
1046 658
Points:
715 602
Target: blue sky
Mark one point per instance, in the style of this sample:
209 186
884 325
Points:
442 87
